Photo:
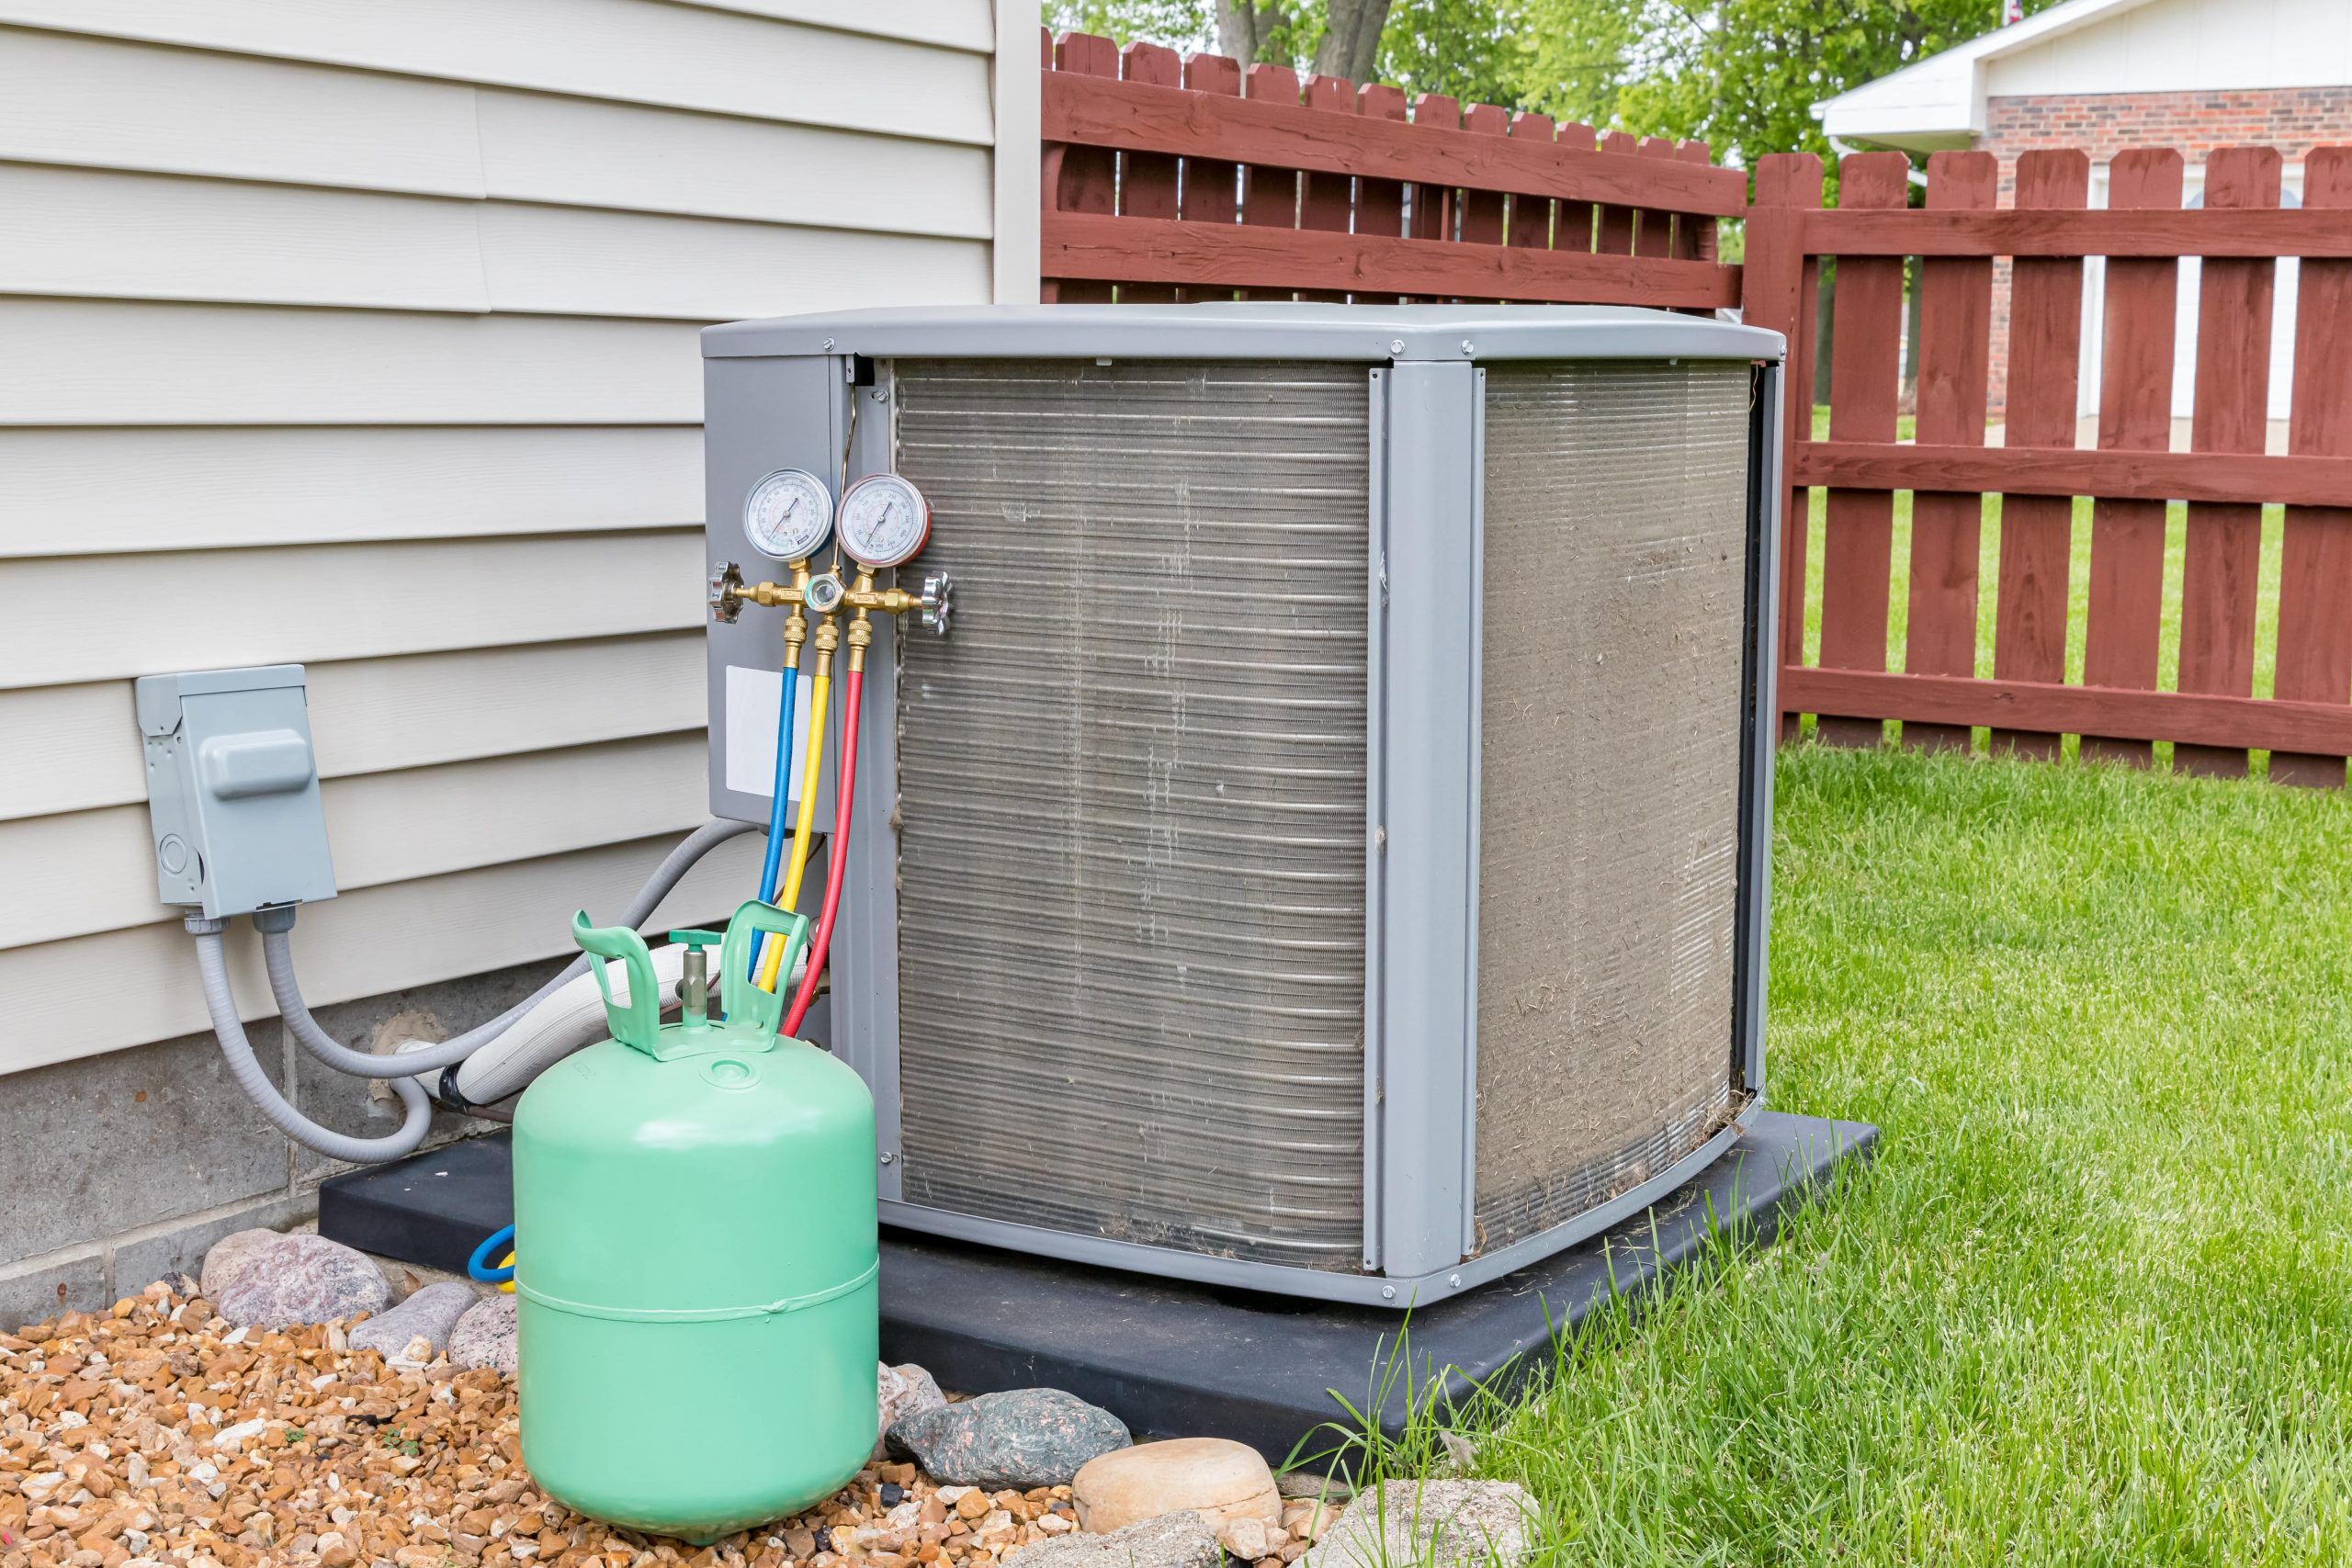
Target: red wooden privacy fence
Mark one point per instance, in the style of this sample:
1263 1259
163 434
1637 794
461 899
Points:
2224 479
1171 177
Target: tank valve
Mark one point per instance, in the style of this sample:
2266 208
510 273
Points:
694 985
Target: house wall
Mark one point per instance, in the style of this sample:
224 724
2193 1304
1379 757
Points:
363 336
2181 45
2293 119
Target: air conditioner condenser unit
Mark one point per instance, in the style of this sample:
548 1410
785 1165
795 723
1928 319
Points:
1328 855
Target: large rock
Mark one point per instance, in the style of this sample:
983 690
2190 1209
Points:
1435 1524
1172 1540
302 1279
1030 1437
227 1258
429 1314
900 1392
484 1336
1218 1479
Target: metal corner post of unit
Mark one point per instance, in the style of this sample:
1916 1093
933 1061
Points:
1293 644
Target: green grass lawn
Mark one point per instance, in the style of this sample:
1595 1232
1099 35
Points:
2094 1303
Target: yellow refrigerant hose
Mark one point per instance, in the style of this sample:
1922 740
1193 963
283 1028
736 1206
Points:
796 862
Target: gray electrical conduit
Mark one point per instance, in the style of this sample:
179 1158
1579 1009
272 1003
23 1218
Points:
212 964
398 1070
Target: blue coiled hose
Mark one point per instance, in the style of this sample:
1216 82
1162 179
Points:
479 1265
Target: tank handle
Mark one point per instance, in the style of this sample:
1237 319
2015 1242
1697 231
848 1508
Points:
638 1024
741 997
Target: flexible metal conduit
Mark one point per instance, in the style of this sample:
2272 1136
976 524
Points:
212 964
399 1069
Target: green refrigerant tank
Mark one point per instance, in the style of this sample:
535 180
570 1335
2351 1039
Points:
696 1254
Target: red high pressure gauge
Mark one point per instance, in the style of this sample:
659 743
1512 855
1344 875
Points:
883 521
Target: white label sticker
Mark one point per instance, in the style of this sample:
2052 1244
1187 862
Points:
753 696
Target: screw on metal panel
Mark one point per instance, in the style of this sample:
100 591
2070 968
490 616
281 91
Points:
1396 345
1454 1281
1380 837
887 1156
829 343
878 395
1467 347
1388 1292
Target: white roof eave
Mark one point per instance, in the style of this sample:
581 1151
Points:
1940 100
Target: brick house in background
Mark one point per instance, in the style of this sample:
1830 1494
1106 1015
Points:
2104 75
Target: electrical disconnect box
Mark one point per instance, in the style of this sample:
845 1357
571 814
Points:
233 790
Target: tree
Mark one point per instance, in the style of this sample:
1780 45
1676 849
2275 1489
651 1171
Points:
1741 75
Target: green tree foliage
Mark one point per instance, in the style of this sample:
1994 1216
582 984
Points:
1740 74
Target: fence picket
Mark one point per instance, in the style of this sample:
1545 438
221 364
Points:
1089 176
2230 415
1572 222
1380 204
2037 531
1653 231
1616 237
2126 610
1327 202
1777 291
2316 562
1955 344
1433 205
1858 532
1270 196
1694 235
1211 186
1483 211
1530 215
1147 182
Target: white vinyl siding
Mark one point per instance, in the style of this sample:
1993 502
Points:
363 336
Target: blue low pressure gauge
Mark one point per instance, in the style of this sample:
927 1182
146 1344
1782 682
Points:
789 515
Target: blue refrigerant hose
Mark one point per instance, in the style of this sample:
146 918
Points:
779 808
479 1267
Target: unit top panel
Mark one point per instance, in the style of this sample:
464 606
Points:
1374 333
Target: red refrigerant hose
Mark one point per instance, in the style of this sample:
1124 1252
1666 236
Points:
837 861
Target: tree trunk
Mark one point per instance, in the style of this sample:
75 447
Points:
1351 41
1238 30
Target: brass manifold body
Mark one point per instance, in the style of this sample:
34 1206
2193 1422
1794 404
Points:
823 593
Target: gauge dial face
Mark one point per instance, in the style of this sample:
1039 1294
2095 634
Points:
788 514
884 520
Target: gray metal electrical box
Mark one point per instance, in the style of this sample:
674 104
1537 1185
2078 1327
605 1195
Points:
233 790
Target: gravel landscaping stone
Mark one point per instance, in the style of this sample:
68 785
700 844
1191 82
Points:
158 1433
1439 1524
904 1391
1334 1489
228 1256
427 1315
484 1336
1172 1540
1031 1436
293 1280
1223 1482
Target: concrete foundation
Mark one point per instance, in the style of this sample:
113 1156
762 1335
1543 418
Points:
121 1169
